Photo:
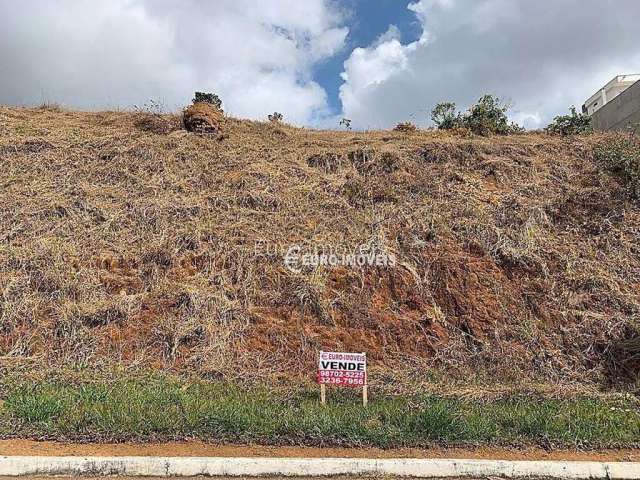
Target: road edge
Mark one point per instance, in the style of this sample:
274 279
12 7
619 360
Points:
313 467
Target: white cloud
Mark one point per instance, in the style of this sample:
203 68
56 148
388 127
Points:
369 68
257 56
539 56
542 56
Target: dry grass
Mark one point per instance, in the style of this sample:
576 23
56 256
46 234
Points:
127 245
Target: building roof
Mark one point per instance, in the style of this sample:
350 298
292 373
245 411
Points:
618 79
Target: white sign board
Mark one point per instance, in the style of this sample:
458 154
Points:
343 369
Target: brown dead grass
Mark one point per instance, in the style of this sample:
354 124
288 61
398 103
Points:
202 117
517 256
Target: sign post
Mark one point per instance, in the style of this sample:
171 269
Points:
343 370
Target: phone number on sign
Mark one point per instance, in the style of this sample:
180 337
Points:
338 377
340 374
353 382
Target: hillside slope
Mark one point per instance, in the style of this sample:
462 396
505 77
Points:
125 243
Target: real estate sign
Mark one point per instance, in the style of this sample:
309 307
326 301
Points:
343 369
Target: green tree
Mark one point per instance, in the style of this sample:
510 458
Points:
445 117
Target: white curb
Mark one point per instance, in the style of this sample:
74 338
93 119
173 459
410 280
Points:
302 467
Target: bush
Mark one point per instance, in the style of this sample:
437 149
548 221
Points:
620 154
487 116
574 124
212 98
406 127
275 117
445 117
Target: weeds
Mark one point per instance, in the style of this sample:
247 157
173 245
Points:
620 154
150 117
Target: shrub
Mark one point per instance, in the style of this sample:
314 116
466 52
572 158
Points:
445 117
487 116
275 117
212 98
407 127
573 124
620 154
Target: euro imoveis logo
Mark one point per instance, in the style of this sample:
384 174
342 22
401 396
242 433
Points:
295 259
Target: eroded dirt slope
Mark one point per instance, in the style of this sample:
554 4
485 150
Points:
517 258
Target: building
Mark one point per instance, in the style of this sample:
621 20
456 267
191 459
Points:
616 106
607 93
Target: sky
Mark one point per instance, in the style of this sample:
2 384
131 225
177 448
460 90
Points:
376 62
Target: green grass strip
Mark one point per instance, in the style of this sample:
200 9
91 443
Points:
167 408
